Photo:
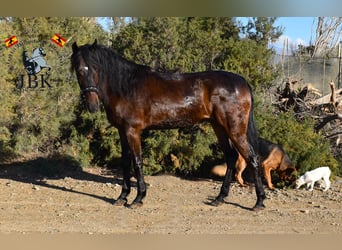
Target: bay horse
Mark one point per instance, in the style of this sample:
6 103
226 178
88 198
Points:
136 98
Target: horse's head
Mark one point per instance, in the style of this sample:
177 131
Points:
87 75
41 51
38 52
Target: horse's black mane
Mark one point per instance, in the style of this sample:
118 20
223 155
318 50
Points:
119 72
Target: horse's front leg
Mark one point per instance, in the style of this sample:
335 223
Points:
134 142
126 185
138 168
126 161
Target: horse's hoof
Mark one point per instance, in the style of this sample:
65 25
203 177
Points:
134 205
120 202
216 203
258 208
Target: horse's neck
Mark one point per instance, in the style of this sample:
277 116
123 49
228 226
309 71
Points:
35 55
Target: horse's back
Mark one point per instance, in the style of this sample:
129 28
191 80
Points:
224 79
221 87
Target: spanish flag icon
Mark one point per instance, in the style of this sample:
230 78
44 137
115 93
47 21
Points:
13 40
57 39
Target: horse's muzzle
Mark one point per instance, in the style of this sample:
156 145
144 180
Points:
93 107
91 98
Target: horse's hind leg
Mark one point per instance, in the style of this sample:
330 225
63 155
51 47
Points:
231 156
248 151
259 189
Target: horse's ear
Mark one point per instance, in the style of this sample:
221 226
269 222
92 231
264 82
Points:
74 47
95 42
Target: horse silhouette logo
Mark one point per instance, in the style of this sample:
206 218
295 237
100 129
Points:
34 64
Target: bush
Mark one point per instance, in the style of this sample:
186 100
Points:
90 139
178 150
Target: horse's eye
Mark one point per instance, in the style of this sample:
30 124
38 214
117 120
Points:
83 70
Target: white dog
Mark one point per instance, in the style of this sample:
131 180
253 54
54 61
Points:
312 176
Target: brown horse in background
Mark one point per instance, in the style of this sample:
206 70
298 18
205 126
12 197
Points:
136 98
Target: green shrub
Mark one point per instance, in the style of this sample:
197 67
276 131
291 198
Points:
157 147
178 150
91 139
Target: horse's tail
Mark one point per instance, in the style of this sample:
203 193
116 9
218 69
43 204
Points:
252 131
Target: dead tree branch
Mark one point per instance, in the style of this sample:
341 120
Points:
327 119
328 34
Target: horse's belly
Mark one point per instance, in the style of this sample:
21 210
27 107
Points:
177 118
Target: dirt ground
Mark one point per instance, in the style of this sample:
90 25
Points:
81 202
